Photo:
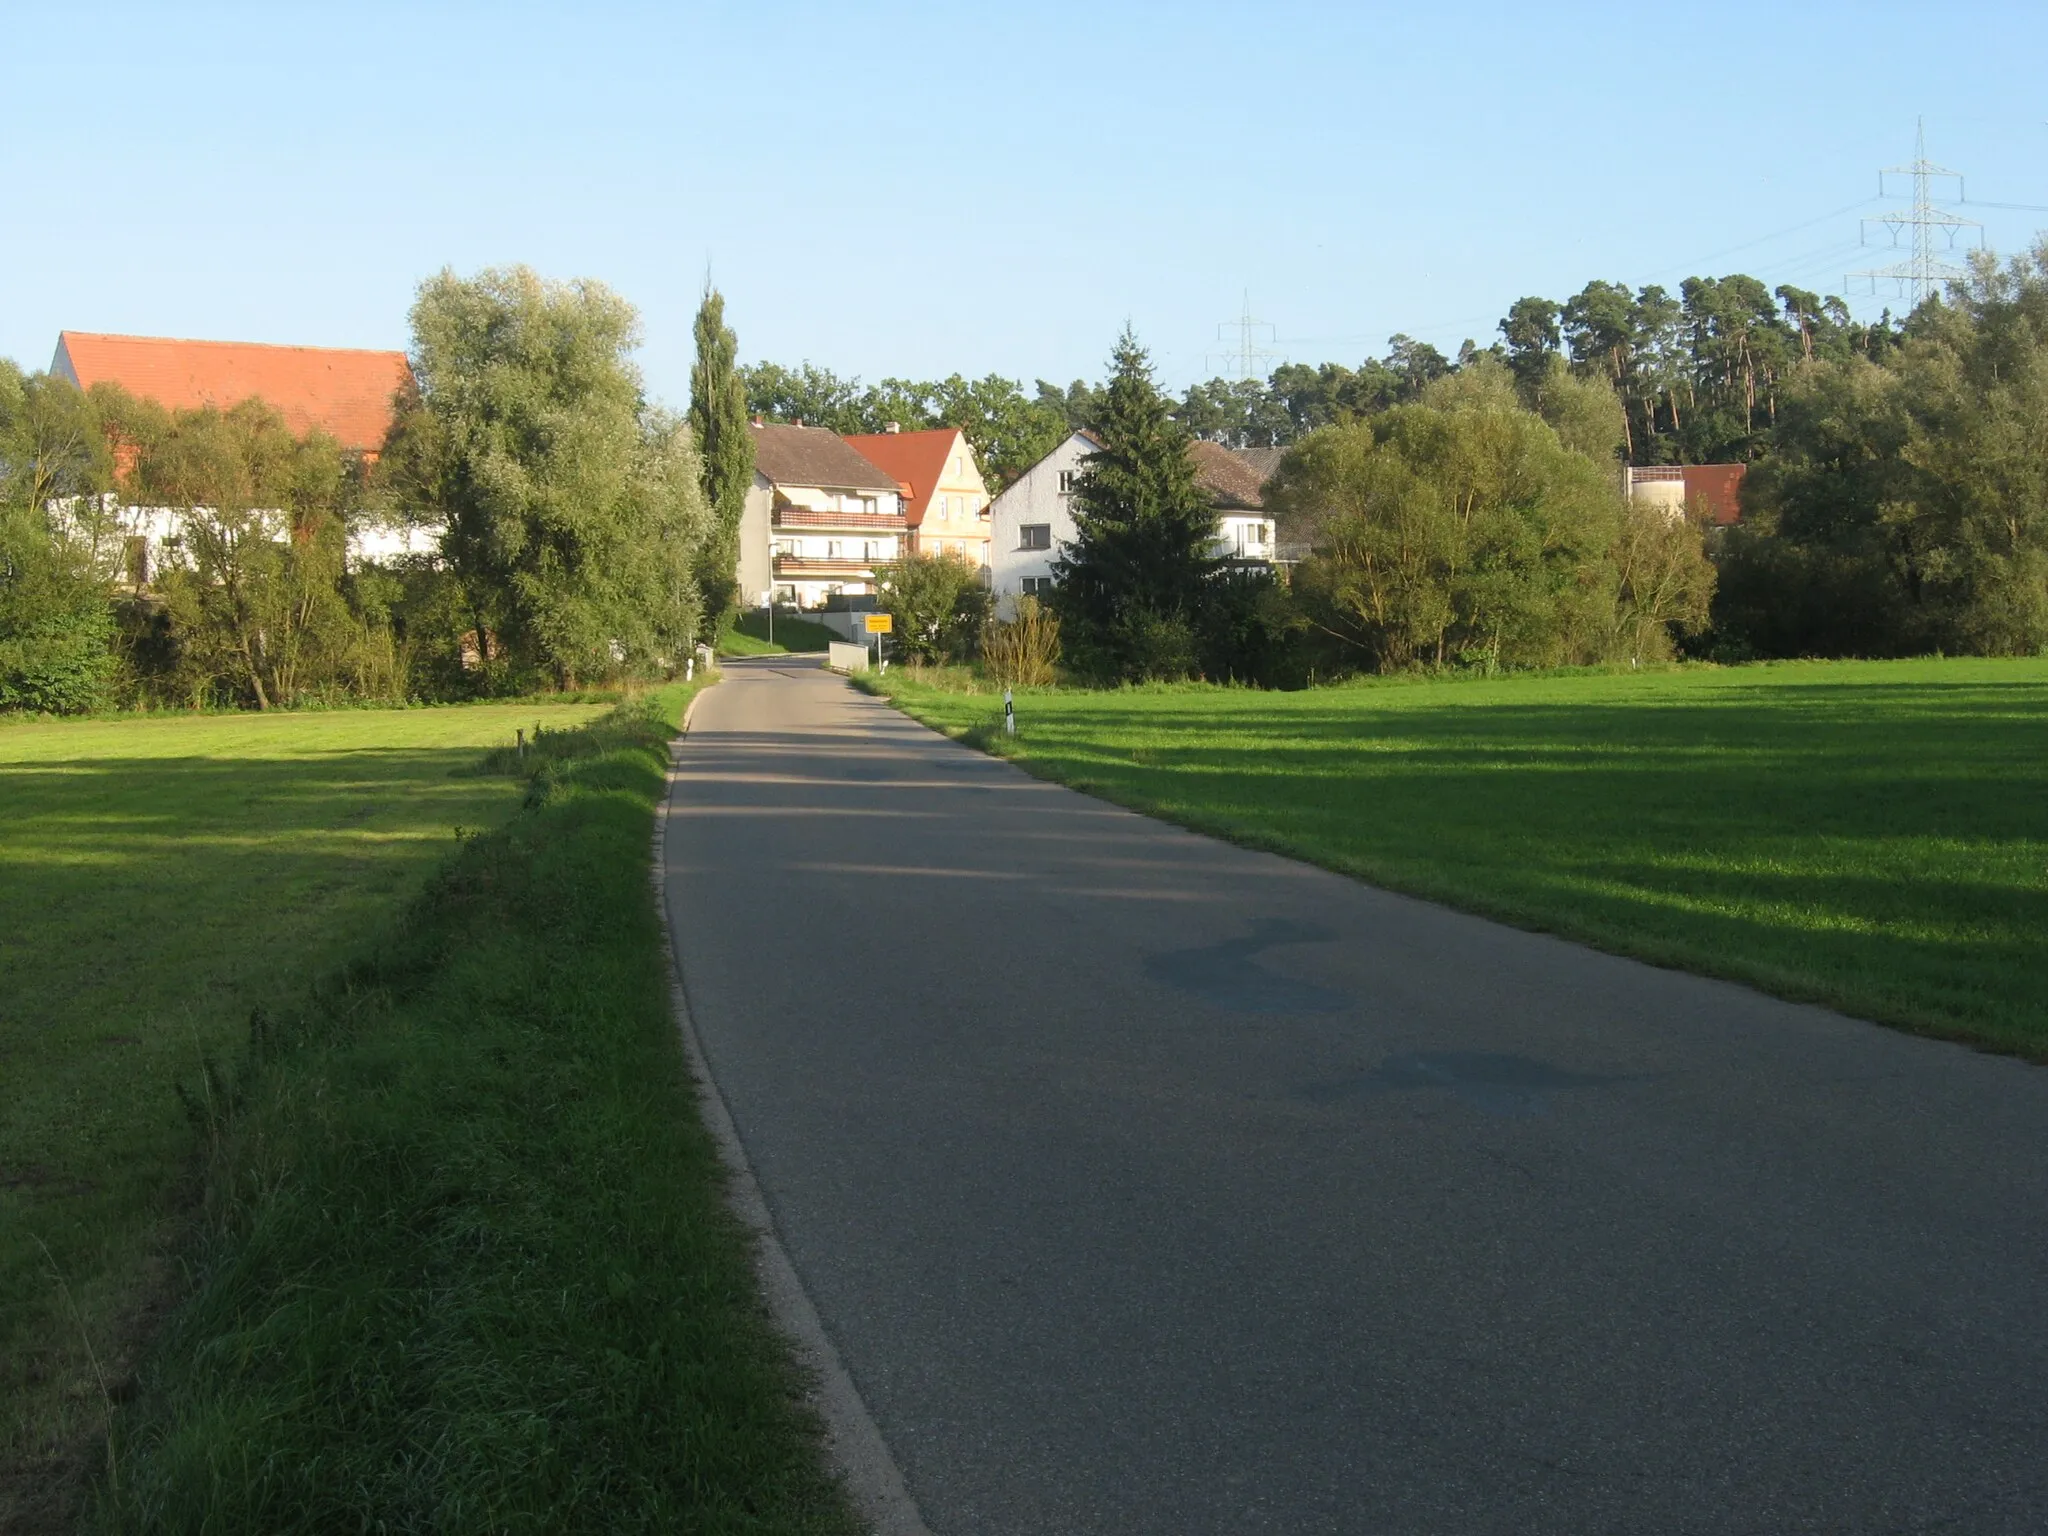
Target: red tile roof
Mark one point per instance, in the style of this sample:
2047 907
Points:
918 459
345 393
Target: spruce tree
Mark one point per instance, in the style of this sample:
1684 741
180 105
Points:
1130 590
718 421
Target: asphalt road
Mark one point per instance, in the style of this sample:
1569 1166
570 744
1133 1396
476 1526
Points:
1148 1184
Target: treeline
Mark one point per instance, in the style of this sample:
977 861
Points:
1903 504
1466 528
1699 372
1474 517
571 533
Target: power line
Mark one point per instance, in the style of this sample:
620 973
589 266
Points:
1692 267
1924 271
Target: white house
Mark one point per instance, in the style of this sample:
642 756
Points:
820 519
1032 523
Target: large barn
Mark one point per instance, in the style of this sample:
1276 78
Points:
346 393
349 394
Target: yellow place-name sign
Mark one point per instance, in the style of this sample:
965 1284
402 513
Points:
880 623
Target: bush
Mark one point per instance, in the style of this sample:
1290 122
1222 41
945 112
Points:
937 602
1253 631
1022 651
62 665
56 630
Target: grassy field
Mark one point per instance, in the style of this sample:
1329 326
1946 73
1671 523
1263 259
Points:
463 1261
1872 835
749 635
159 878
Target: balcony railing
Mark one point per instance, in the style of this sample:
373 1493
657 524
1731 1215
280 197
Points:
821 565
811 517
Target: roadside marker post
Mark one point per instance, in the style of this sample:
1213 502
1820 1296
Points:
1009 713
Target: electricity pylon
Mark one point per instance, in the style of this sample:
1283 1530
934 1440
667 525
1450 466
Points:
1925 271
1246 359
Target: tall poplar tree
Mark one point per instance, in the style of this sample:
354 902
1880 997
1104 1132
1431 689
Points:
725 448
1131 587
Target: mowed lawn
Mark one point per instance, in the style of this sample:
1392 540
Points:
1873 835
160 877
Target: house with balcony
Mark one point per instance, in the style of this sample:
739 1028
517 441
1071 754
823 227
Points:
945 500
1032 523
820 520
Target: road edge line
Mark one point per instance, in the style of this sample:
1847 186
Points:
853 1441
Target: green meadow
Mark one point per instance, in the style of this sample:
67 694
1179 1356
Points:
1869 835
160 878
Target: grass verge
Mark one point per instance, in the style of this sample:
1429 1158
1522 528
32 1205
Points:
749 635
463 1261
161 876
1868 835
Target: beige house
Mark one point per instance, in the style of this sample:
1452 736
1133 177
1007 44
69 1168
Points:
945 500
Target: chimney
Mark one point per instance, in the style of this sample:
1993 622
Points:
893 426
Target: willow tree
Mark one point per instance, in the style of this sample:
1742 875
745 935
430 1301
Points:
575 514
1456 532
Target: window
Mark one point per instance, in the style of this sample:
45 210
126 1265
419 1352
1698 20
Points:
945 508
1038 586
1034 536
835 549
785 547
956 466
1067 479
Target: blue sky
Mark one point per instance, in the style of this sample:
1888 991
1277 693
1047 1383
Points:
923 189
